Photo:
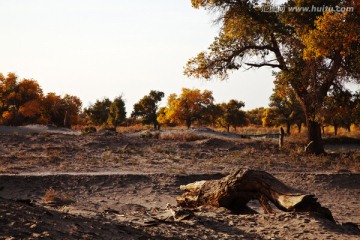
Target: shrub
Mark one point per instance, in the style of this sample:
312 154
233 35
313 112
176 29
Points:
89 129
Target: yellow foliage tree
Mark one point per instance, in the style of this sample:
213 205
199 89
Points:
332 32
30 108
22 102
61 111
188 107
19 100
312 51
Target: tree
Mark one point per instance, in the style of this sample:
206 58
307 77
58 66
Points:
269 118
23 102
212 115
60 111
147 107
356 110
351 114
51 106
117 112
287 109
98 112
190 106
311 50
255 115
72 108
163 116
339 109
232 115
19 100
7 91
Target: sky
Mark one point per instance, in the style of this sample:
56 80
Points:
106 48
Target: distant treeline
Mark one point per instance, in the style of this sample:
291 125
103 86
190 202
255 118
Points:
23 102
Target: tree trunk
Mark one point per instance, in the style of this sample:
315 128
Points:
323 129
288 128
335 129
188 123
299 127
348 127
237 189
67 120
314 136
228 128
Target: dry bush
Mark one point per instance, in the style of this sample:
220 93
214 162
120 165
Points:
185 137
52 196
149 134
133 128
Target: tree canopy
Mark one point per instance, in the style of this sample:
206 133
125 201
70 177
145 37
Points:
340 109
286 107
311 50
232 115
188 107
117 112
106 112
19 100
147 108
23 102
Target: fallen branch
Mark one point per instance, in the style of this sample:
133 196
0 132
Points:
236 190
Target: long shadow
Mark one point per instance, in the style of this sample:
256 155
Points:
344 228
219 226
20 220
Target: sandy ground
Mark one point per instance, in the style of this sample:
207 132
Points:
102 186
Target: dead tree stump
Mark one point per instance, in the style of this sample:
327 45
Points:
237 189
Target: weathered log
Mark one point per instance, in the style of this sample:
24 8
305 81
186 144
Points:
237 189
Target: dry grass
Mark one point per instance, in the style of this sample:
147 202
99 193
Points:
174 150
133 128
52 196
254 130
184 137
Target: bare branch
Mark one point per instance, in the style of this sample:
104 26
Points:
263 65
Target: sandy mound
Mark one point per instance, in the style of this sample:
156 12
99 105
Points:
36 128
216 143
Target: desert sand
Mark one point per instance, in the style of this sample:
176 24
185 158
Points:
59 184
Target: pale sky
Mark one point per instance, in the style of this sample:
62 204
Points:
95 49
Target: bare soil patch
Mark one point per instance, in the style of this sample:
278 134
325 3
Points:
64 186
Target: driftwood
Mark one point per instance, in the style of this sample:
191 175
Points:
236 190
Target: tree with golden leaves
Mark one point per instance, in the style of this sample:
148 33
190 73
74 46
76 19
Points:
311 50
60 111
19 100
188 107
